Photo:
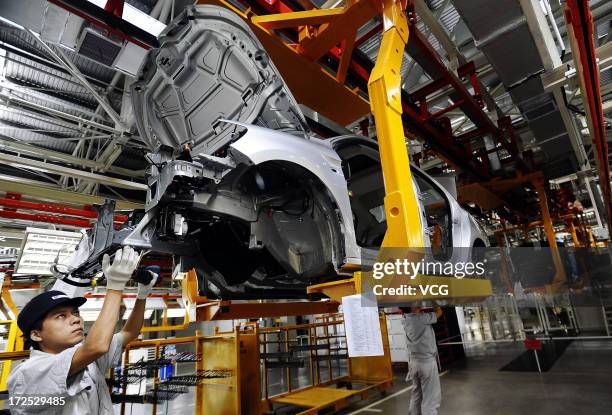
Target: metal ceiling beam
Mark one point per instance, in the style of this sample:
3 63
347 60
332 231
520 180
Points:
456 58
420 49
433 24
108 21
50 64
7 100
35 118
36 93
66 171
43 153
61 58
115 147
560 75
46 154
44 192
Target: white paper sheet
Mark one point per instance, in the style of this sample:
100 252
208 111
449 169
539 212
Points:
363 335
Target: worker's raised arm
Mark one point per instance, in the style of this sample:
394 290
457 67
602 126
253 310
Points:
134 323
99 337
432 316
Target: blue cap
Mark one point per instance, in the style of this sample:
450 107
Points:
39 306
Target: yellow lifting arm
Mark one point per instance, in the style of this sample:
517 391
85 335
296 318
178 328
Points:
384 87
404 228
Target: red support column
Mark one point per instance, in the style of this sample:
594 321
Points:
115 7
580 29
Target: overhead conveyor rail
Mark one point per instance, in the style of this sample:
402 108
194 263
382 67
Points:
580 30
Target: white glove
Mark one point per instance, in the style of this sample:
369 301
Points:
123 266
145 289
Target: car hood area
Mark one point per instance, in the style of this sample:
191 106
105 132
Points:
209 67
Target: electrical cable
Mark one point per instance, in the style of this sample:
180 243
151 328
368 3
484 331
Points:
569 106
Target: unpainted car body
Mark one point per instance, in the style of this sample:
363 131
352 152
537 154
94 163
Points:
255 202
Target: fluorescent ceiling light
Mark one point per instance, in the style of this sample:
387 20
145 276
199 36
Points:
144 21
136 17
92 304
153 303
147 314
41 248
175 312
90 315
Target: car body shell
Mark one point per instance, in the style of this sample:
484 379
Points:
205 102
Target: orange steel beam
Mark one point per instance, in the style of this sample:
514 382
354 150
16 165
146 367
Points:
560 277
479 194
572 229
503 185
347 51
310 17
355 15
308 81
19 355
227 310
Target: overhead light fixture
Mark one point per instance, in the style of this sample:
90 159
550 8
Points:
153 303
147 314
92 315
136 17
92 304
175 312
89 315
41 248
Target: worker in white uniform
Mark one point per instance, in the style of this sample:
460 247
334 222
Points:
64 366
422 362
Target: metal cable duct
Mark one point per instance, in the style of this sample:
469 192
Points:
498 28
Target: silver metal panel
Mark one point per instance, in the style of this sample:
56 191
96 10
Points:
55 20
71 32
557 147
26 13
527 91
485 17
518 62
210 66
548 126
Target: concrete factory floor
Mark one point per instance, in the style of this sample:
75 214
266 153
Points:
579 382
